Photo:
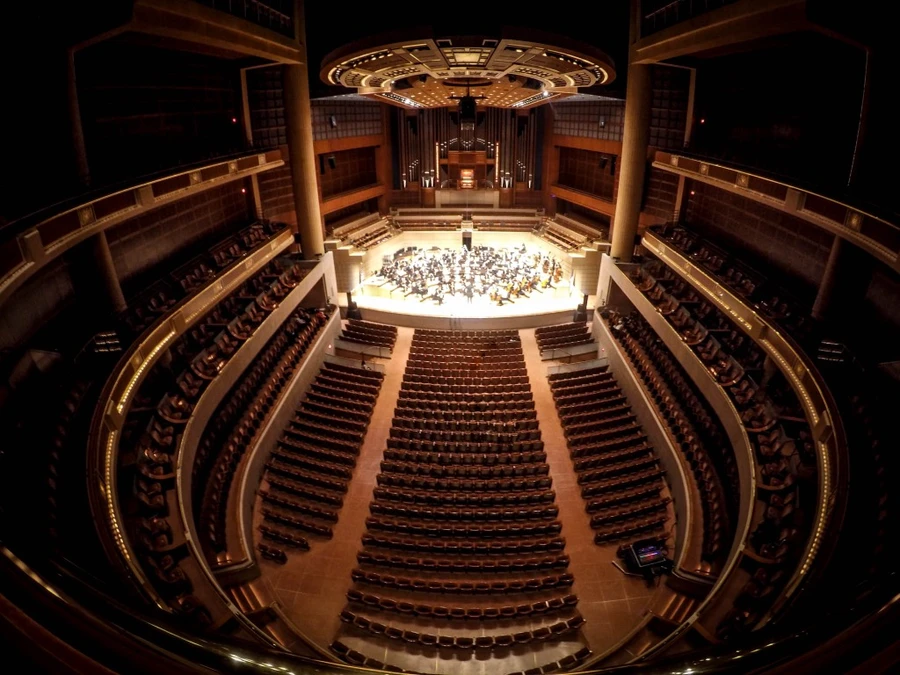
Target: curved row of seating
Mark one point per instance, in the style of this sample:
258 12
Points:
504 641
774 421
240 416
161 296
611 455
697 436
307 474
151 433
463 501
765 296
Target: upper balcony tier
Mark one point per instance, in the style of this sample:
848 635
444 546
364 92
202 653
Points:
872 233
29 245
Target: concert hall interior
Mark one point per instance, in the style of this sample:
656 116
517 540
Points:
464 340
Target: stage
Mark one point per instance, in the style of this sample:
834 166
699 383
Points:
382 302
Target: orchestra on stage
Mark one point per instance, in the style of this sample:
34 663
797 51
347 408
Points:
503 275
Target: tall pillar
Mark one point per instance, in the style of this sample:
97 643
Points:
78 147
829 281
845 279
298 120
94 277
106 273
633 162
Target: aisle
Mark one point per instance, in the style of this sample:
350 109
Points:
611 603
312 585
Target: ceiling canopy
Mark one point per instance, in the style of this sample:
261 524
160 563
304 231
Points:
436 72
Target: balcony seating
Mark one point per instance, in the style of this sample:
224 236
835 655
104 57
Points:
767 297
462 506
773 421
150 433
240 416
160 297
694 429
371 235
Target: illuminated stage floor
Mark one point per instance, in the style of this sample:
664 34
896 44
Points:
382 302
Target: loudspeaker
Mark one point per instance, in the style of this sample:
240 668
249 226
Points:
331 162
352 308
580 315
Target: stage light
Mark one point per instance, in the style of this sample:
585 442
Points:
234 120
702 120
243 191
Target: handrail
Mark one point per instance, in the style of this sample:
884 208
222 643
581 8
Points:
806 381
120 388
114 632
736 432
880 237
28 249
204 410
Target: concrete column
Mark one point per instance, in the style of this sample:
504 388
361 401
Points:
633 162
678 214
82 170
108 279
94 278
298 120
845 280
827 286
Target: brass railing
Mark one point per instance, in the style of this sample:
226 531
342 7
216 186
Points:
118 394
816 400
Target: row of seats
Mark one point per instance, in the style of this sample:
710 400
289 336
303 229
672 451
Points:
458 422
367 333
782 440
406 225
765 296
372 236
555 631
307 474
563 335
608 444
714 469
493 611
157 300
385 508
508 226
466 587
239 419
563 237
463 498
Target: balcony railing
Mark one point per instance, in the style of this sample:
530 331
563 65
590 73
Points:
275 15
659 14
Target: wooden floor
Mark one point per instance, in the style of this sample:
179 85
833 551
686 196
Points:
611 603
312 586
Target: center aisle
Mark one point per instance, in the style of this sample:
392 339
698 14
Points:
311 586
463 567
611 603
